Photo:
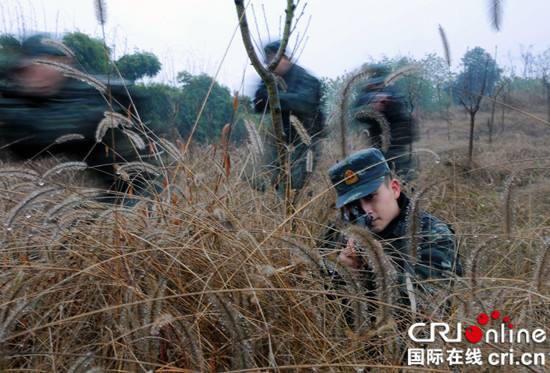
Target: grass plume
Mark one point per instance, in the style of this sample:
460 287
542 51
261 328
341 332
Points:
446 47
382 122
302 132
69 137
66 166
73 73
341 112
495 13
136 139
111 120
58 45
385 272
254 138
402 72
29 200
100 11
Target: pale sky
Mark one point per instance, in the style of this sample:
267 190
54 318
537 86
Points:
194 35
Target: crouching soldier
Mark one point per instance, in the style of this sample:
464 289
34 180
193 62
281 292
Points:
372 201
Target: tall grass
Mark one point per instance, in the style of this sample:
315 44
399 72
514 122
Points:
208 274
206 278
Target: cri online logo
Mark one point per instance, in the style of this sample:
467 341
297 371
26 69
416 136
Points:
474 334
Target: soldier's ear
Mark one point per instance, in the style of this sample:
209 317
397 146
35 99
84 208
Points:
395 188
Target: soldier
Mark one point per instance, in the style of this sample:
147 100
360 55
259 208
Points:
385 100
42 106
370 198
299 95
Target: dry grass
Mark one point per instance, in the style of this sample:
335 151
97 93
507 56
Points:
211 275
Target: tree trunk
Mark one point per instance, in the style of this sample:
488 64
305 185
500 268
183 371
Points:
492 122
502 113
471 144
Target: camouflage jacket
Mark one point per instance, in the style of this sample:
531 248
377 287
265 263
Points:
300 96
394 109
437 255
30 126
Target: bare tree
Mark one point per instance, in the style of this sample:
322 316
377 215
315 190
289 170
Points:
471 102
268 77
477 80
528 61
498 92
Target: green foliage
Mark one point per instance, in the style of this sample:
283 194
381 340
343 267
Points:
10 49
479 75
168 107
526 85
159 111
329 92
91 53
543 63
137 65
217 110
425 90
9 43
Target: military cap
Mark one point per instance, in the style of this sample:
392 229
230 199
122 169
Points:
272 47
358 175
33 47
378 73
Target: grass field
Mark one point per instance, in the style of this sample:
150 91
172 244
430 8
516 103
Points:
211 275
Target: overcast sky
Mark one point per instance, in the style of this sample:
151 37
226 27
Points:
194 35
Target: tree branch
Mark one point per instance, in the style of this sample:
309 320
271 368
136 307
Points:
269 79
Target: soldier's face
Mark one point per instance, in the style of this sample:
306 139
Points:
39 80
382 205
283 66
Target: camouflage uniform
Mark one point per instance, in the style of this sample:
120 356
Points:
394 109
437 257
301 97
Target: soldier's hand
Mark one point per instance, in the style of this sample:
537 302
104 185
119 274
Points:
349 258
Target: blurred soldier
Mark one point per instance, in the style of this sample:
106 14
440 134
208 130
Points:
42 106
377 98
371 199
300 96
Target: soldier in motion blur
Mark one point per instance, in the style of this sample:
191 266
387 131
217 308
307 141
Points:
300 96
378 98
40 106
